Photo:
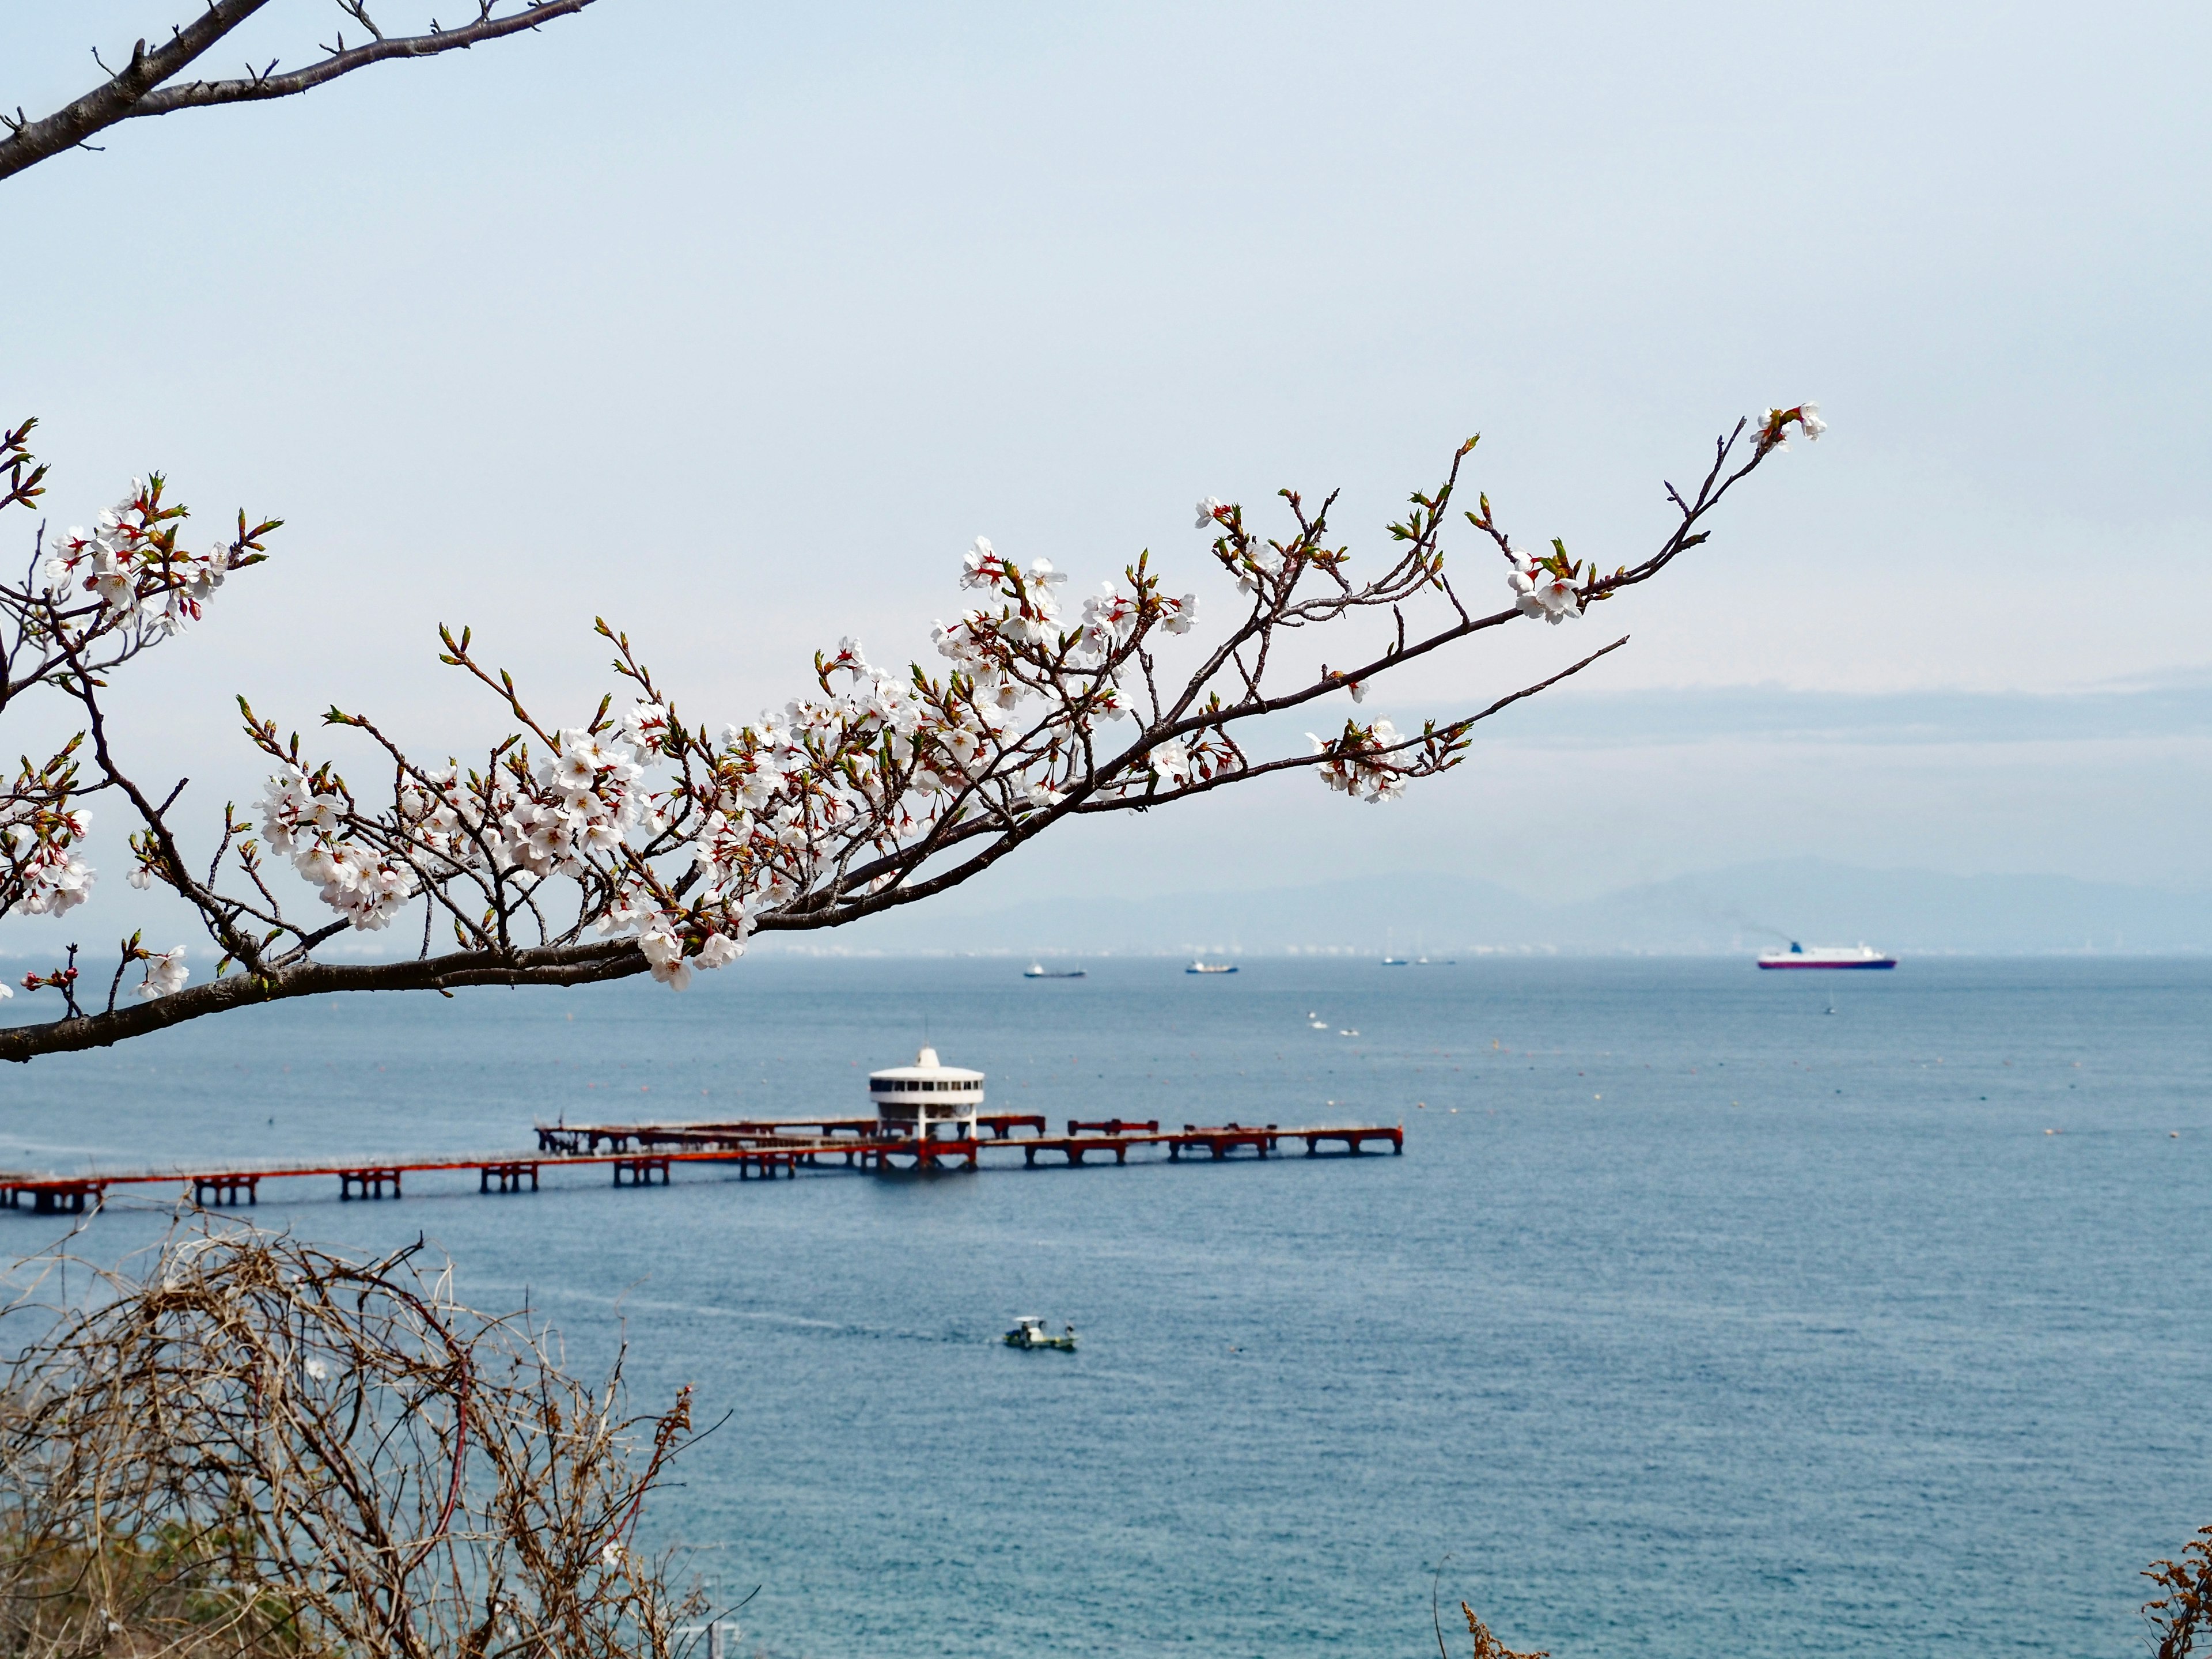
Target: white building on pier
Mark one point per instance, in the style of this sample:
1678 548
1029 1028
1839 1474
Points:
923 1101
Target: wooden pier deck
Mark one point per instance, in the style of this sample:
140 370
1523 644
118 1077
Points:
645 1154
587 1138
214 1185
868 1149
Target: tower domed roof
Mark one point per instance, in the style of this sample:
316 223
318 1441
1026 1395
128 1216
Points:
927 1068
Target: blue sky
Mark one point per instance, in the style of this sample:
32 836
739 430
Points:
735 324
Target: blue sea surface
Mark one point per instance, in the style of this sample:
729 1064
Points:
1706 1312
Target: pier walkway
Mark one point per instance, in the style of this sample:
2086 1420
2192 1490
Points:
645 1154
868 1149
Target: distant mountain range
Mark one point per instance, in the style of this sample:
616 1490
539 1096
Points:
1745 907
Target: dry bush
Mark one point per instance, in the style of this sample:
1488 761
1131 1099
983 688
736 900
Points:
2185 1612
1487 1646
255 1447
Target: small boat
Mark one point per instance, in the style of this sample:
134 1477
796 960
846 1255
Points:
1395 962
1030 1333
1203 967
1825 956
1038 970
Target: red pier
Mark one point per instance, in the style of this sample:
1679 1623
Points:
584 1139
645 1155
497 1172
870 1149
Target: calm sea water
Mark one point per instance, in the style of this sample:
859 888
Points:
1696 1319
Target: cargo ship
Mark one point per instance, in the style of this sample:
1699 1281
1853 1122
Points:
1825 956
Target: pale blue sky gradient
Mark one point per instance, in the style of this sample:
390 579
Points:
735 324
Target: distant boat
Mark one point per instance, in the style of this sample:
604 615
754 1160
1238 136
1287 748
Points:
1203 967
1395 962
1029 1331
1038 970
1825 956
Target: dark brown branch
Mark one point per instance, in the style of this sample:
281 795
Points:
208 904
568 964
1293 762
113 99
140 86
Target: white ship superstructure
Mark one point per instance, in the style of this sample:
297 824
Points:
1825 956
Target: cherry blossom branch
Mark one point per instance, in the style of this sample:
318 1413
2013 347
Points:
93 601
645 844
1425 742
143 86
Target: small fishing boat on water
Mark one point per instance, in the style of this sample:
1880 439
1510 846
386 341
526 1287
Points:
1203 967
1029 1331
1038 970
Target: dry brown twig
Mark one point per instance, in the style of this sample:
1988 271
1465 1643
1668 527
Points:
254 1446
2185 1612
1487 1646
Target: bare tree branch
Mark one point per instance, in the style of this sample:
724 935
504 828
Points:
144 86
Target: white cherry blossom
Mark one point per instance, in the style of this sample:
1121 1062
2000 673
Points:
1171 761
1771 429
717 950
664 951
646 725
166 974
1556 599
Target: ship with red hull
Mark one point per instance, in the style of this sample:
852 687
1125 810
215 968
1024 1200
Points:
1825 956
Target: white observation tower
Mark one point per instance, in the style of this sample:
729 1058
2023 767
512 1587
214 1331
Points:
913 1103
